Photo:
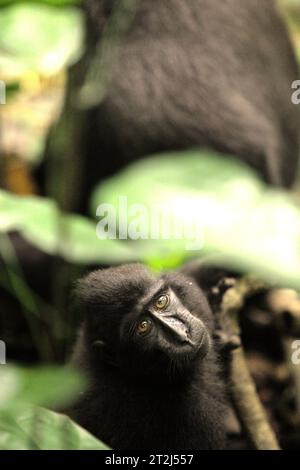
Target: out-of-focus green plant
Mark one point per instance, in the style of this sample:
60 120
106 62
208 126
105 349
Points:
222 205
42 386
72 237
291 12
24 425
39 37
253 227
41 429
60 3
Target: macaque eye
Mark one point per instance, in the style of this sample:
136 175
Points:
144 327
162 302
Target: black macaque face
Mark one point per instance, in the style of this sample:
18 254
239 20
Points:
158 328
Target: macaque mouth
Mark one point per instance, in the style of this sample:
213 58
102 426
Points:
184 332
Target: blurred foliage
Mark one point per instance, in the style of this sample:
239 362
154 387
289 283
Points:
24 426
39 37
30 110
237 215
44 386
59 3
253 226
41 429
291 12
38 41
72 237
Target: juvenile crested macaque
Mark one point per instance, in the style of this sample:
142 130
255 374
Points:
191 73
147 347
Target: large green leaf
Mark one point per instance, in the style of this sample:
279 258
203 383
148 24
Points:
23 425
39 429
71 236
47 386
39 37
253 226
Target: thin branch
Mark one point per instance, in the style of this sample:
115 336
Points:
243 391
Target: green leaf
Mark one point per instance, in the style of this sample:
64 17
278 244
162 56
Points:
225 208
59 3
40 37
41 429
23 425
72 237
47 386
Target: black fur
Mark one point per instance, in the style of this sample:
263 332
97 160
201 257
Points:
139 397
189 73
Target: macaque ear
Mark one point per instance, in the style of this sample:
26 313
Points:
81 293
84 295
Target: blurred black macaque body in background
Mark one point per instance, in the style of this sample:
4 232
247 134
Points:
188 73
